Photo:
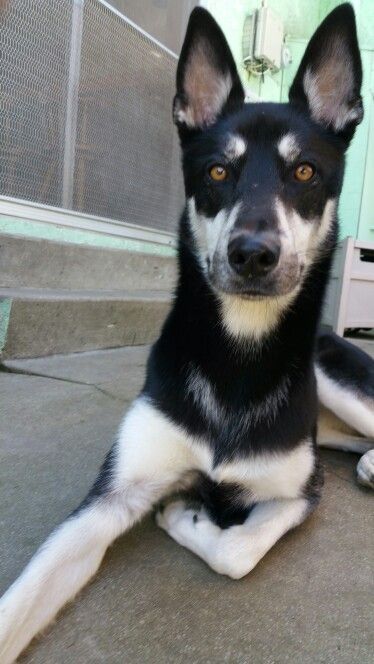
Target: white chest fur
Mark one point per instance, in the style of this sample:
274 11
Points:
149 441
264 476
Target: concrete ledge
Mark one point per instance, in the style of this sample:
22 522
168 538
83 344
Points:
49 322
37 263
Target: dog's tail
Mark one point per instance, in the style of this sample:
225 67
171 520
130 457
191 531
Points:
345 384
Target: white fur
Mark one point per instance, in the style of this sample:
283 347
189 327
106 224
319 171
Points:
211 233
349 407
303 238
199 226
151 459
155 457
329 92
205 101
204 395
253 319
65 563
288 147
236 147
206 89
365 469
219 231
358 414
338 435
262 476
267 476
151 448
236 550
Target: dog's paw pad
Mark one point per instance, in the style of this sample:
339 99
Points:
365 469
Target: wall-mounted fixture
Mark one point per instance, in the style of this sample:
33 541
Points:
263 35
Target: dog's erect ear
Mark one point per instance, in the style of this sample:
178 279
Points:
208 83
329 78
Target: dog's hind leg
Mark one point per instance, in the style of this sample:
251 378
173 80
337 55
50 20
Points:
345 385
146 463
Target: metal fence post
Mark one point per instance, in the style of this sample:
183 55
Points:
72 104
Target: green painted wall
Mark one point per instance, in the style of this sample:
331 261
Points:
301 18
366 217
37 229
5 307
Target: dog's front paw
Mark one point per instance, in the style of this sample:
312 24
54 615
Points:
178 512
169 515
365 469
180 521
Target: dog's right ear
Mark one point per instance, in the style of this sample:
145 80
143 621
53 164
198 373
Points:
329 78
208 84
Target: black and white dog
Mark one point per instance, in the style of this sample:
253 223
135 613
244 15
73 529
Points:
228 412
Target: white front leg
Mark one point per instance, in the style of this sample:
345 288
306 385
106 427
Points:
236 550
147 461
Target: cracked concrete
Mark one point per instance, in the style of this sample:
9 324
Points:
24 372
310 600
104 369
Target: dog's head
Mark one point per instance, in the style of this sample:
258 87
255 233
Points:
262 180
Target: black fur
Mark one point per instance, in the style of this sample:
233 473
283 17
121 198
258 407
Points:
102 484
346 364
223 501
194 335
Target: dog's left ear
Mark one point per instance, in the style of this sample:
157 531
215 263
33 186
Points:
329 78
208 84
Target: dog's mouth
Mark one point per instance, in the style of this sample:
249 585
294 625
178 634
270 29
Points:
281 282
254 295
255 292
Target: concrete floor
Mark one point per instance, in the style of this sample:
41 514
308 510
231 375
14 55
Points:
310 600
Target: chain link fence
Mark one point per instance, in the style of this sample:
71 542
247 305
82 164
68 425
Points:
85 113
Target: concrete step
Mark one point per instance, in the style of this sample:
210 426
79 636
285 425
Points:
37 263
40 322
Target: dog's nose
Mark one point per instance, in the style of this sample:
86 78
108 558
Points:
253 256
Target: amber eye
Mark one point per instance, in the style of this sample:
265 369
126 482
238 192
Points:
218 173
304 172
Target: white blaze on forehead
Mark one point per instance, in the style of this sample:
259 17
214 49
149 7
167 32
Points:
236 147
288 147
